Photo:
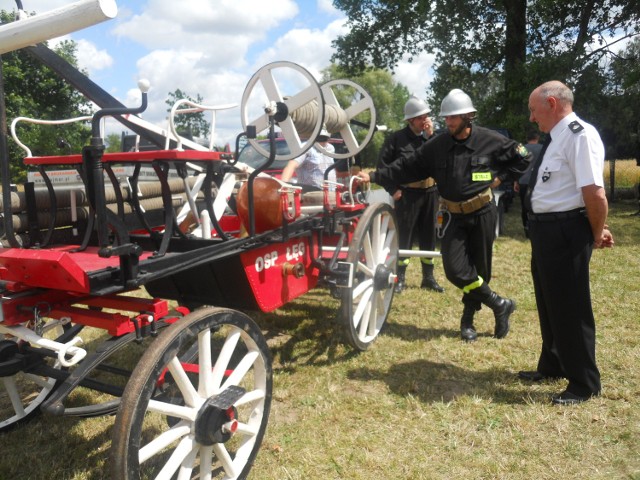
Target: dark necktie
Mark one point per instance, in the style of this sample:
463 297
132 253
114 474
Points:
534 174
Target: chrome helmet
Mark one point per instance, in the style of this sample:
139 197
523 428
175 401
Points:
456 103
415 107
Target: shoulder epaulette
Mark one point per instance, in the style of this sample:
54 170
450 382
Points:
575 126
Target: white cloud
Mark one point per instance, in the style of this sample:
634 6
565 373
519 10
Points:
89 57
168 70
416 75
309 48
326 6
225 29
92 59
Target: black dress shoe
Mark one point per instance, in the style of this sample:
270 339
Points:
568 398
534 376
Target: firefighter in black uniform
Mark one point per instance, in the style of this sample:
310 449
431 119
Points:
465 164
416 203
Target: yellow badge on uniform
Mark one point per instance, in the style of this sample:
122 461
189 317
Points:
481 176
522 150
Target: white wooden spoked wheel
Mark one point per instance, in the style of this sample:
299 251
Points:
359 107
198 402
373 253
264 83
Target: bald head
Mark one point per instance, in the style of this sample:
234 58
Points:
558 90
549 103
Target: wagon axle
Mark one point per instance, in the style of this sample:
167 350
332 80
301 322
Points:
10 360
216 421
384 277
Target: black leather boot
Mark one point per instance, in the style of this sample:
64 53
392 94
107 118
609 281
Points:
428 280
467 330
400 281
502 309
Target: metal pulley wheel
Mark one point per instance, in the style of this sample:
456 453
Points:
348 105
263 98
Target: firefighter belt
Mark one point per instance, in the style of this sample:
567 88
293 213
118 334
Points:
422 184
468 206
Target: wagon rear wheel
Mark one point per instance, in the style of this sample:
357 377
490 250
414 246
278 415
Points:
22 393
373 253
198 403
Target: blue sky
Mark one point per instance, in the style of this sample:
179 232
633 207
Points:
209 47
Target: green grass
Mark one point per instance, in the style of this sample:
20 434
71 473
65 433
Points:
420 404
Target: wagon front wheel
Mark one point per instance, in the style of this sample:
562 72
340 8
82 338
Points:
198 402
373 255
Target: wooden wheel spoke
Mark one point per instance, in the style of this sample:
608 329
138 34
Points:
183 382
222 363
241 369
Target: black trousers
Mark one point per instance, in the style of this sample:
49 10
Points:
416 214
561 251
467 251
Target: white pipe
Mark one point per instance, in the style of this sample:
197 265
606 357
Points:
55 23
74 212
419 253
401 253
37 121
196 107
205 224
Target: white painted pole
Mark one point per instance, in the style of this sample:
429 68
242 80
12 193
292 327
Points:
401 253
419 253
55 23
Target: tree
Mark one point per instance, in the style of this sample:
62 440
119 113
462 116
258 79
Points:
32 90
114 143
388 97
190 124
623 104
497 51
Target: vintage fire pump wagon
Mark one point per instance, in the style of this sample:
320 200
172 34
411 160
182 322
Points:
189 374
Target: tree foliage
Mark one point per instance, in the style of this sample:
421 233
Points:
189 124
622 106
496 51
388 97
32 90
113 142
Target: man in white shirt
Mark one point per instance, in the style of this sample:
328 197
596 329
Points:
310 167
568 210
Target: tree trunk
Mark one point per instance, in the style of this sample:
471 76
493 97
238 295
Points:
515 56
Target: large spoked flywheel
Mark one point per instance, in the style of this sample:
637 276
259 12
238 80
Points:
349 111
290 94
373 254
198 402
